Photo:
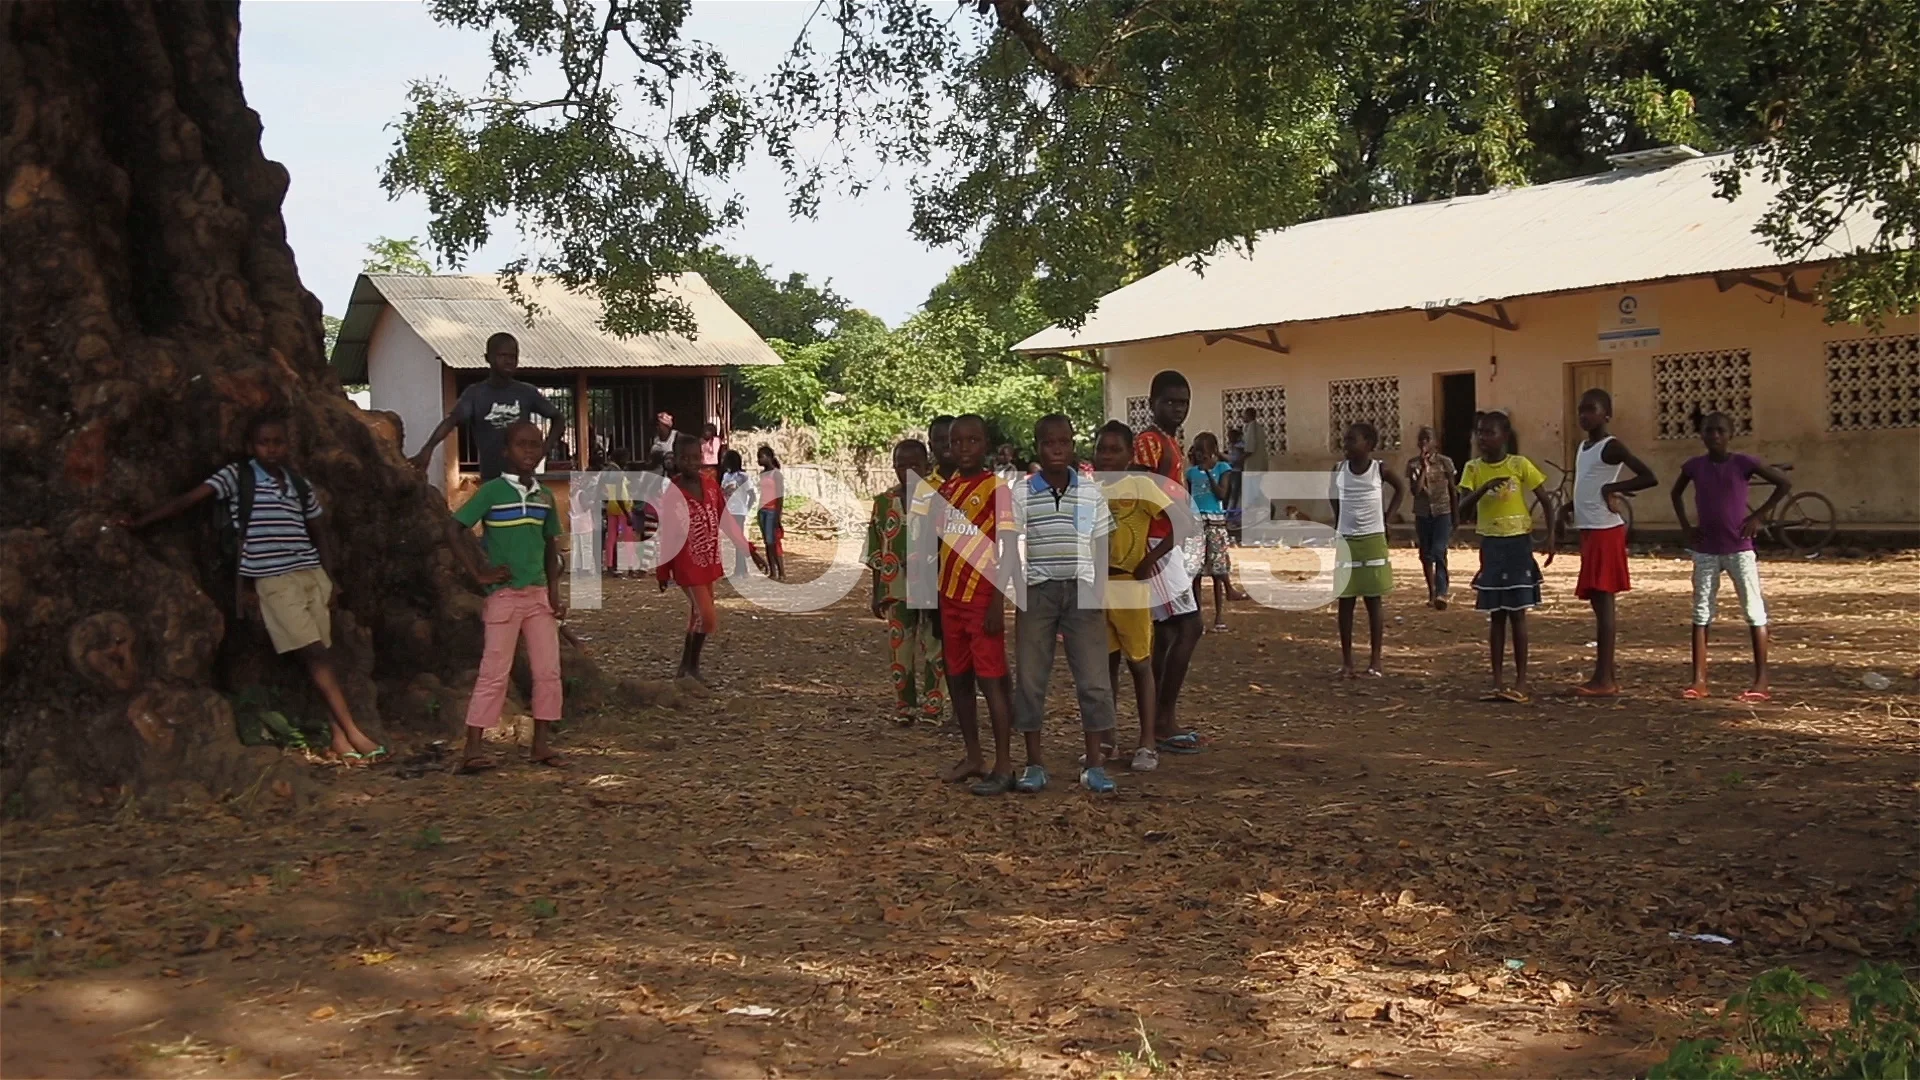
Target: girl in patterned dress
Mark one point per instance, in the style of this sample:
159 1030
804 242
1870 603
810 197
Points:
918 674
697 519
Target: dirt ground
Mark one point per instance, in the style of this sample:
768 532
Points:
1378 878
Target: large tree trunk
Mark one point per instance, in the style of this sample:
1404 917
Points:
150 305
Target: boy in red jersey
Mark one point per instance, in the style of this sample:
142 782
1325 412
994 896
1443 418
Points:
977 518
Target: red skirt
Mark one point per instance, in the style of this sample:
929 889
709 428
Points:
1603 562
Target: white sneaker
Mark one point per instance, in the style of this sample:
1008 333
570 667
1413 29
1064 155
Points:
1146 759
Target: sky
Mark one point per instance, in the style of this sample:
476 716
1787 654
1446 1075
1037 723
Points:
329 77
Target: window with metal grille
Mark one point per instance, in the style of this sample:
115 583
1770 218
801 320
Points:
1140 418
1269 404
1689 386
1375 401
1873 383
620 418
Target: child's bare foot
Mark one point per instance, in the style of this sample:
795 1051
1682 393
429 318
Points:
1593 688
475 763
550 758
1346 672
1695 692
1374 671
964 769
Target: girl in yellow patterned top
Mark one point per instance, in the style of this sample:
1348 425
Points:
1496 484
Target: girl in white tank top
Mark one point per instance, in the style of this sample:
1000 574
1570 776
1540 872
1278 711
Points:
1359 495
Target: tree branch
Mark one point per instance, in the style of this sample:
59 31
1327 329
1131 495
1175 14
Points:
1012 17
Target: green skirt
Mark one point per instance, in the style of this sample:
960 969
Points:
1361 566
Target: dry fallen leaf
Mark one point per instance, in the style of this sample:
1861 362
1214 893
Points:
321 1013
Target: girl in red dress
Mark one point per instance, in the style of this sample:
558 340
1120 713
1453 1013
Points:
700 515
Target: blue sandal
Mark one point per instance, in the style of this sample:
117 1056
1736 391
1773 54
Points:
1032 778
1187 742
1097 781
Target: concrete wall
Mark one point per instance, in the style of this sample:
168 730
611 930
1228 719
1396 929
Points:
404 376
1871 476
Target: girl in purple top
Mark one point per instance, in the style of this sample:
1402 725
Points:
1723 543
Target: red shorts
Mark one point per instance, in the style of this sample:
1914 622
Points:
1603 562
965 644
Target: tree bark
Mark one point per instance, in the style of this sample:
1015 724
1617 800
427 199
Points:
149 307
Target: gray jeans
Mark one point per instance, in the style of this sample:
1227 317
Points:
1053 609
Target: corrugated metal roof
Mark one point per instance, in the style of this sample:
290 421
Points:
456 313
1623 227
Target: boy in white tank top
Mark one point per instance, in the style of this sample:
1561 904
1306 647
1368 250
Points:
1597 491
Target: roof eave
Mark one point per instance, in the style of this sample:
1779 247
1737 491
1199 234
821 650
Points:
1034 345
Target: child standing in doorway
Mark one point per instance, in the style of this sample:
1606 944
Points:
1436 502
700 516
1508 584
973 530
1597 491
914 651
1723 543
521 535
1208 478
1136 503
1364 569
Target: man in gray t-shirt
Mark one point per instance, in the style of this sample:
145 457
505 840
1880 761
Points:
491 405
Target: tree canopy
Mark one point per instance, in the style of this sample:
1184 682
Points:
389 256
866 384
1070 145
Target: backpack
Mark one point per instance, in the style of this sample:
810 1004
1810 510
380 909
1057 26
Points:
233 525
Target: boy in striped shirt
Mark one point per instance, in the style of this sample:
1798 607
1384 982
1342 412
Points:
521 573
1061 515
283 576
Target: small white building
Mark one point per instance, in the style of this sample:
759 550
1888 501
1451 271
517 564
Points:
419 340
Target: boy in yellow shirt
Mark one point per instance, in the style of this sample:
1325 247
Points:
1135 501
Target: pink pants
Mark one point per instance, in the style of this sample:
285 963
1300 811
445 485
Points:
509 615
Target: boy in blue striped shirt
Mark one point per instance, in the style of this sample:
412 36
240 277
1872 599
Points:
1060 515
283 577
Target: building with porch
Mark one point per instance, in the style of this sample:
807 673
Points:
418 341
1639 280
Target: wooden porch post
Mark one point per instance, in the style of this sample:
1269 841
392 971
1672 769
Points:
450 449
582 438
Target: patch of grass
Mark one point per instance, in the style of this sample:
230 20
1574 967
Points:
15 808
543 908
283 876
1734 780
427 839
1766 1032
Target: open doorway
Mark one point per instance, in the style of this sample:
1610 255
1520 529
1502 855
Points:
1582 377
1453 415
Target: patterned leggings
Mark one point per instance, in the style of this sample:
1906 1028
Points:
919 676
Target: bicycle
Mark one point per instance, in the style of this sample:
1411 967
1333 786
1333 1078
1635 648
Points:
1804 524
1562 507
